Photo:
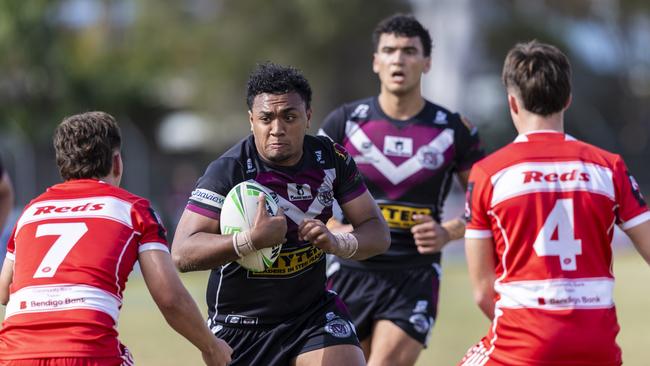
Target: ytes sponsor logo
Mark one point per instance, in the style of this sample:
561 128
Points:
538 176
63 209
293 263
241 319
401 217
207 197
398 146
299 192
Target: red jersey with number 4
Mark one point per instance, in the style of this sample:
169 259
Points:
550 204
73 249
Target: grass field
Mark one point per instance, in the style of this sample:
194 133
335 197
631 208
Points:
460 323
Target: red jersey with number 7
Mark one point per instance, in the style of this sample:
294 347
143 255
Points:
550 204
73 249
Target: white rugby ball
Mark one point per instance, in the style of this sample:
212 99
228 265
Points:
238 214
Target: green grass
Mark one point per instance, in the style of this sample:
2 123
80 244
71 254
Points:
460 324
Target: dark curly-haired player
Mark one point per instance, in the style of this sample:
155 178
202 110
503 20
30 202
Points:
283 315
408 150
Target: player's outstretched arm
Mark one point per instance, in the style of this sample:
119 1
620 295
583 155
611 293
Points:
198 246
369 237
178 306
480 265
6 198
6 277
640 235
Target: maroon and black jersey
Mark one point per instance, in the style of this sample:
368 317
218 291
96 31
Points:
325 173
408 166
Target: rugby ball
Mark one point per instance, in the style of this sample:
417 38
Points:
238 214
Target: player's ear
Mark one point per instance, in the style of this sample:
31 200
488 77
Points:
250 119
427 65
118 167
375 63
513 103
308 118
568 101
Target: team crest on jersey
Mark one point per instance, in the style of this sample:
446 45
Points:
299 192
398 146
430 157
325 196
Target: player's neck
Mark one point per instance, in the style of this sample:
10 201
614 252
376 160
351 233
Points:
401 107
530 122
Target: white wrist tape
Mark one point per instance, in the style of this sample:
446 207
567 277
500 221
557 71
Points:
243 243
347 245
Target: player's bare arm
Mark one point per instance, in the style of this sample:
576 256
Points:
178 307
6 277
198 244
480 264
369 225
369 230
430 236
640 235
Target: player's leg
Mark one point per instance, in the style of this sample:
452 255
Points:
405 318
392 346
343 354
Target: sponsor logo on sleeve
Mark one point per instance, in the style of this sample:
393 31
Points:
636 191
361 111
468 201
207 197
441 118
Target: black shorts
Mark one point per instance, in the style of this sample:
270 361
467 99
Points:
326 323
406 297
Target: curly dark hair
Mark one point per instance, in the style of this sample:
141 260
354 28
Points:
277 79
541 75
84 145
403 25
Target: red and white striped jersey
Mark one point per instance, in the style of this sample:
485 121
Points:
73 248
550 204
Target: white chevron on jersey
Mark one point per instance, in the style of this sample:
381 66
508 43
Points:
395 174
316 208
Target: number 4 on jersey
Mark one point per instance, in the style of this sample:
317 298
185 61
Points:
563 244
69 234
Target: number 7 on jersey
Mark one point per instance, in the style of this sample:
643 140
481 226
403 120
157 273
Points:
69 234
